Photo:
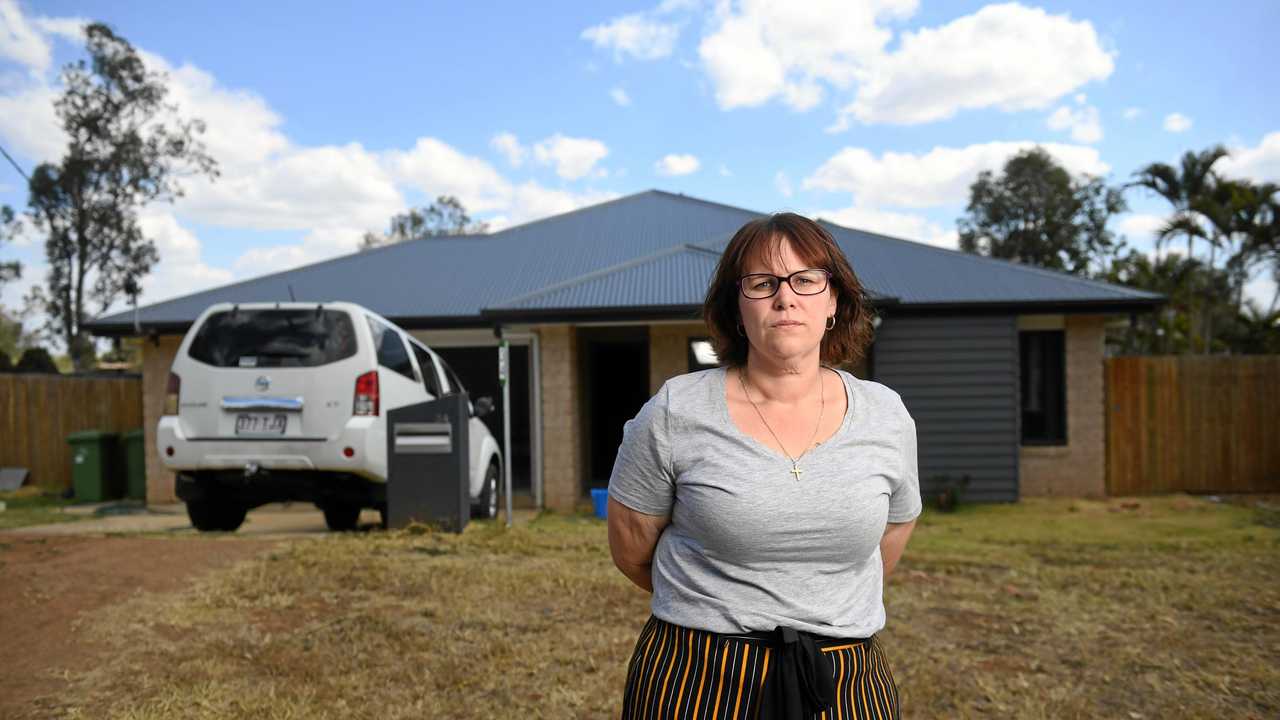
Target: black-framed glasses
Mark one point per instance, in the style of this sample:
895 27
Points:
758 286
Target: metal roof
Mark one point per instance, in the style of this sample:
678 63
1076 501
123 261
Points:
648 254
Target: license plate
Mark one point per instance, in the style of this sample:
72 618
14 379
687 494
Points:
261 423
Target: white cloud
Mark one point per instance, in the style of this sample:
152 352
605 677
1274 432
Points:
573 157
436 168
531 201
1083 122
673 165
725 171
1132 113
67 28
20 42
1260 164
774 49
907 226
1005 56
636 35
181 269
782 184
939 177
1138 226
620 96
508 145
331 193
1177 122
243 130
29 126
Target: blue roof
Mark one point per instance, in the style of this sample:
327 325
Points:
649 251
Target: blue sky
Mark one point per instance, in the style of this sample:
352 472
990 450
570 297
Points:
329 118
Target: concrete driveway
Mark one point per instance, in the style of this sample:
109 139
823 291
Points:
269 521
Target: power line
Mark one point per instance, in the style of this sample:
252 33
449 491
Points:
14 163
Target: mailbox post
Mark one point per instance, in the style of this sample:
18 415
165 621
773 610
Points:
428 468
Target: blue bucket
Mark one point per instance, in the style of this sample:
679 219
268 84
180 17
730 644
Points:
600 502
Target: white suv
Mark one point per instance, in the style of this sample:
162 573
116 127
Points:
272 402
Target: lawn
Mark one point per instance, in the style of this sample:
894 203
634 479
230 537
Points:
33 506
1148 608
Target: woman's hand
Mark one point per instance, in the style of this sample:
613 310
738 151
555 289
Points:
893 542
632 538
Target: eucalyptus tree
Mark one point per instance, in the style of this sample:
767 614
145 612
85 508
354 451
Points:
1035 212
125 149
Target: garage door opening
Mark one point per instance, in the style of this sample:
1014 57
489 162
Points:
477 368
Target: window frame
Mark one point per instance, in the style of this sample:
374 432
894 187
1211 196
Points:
377 331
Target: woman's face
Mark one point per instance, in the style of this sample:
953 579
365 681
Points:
786 326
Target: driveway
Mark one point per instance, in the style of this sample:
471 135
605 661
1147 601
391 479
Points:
267 522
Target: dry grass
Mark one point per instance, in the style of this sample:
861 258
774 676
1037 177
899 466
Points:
1046 609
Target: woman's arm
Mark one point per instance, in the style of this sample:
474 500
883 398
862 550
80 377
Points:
632 538
893 542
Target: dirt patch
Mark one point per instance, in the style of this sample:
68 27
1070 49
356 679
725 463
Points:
50 584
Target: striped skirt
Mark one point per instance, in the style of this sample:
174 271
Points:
686 674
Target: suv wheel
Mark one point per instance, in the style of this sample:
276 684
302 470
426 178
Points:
214 516
487 508
341 518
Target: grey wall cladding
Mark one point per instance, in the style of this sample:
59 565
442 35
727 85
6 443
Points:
958 376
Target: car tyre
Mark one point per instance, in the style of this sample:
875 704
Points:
341 518
215 516
487 508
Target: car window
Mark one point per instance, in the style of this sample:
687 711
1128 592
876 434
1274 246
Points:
454 382
274 338
429 377
391 351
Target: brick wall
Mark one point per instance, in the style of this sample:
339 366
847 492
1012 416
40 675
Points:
669 351
561 446
1077 469
156 361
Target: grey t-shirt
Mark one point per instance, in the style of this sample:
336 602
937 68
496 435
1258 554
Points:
749 547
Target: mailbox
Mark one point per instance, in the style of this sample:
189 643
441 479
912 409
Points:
428 468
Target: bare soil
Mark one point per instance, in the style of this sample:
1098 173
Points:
51 585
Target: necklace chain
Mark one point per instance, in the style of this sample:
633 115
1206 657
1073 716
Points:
795 467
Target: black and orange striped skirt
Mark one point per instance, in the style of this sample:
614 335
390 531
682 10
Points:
682 673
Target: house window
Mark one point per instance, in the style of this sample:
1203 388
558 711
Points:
1044 383
701 354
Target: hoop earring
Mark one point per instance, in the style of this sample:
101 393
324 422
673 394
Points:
832 324
739 326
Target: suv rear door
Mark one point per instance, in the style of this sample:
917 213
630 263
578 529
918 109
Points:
270 373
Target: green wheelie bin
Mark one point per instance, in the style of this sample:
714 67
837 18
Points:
92 473
135 464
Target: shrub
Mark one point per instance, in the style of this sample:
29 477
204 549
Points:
36 360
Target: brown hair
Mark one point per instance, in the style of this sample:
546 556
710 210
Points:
844 344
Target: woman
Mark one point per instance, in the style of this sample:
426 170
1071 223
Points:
764 502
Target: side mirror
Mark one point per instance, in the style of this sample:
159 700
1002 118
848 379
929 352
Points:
483 406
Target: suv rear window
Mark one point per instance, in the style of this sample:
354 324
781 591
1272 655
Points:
274 338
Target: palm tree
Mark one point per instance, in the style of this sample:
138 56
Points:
1182 185
1240 221
1257 330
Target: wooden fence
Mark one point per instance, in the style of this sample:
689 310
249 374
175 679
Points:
37 412
1193 424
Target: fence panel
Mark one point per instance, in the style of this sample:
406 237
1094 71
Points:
37 412
1193 424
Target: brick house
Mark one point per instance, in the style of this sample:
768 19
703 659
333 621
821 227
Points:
1001 364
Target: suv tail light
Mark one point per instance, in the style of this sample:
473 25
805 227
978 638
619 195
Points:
171 392
366 402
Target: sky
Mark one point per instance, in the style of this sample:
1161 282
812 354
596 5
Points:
327 119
